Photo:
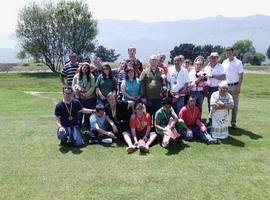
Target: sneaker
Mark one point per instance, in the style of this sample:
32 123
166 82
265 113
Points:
131 149
164 144
106 141
213 141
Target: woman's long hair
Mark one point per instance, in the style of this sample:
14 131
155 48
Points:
110 71
87 73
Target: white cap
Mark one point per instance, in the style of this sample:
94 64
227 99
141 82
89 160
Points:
223 84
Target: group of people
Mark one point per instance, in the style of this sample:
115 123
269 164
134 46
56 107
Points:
143 104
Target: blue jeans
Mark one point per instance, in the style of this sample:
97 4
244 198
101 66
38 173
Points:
72 133
178 105
199 98
196 133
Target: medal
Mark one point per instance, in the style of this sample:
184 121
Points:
69 111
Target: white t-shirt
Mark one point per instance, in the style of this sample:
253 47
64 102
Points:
218 69
233 69
177 79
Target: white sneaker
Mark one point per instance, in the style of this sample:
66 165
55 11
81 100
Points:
106 141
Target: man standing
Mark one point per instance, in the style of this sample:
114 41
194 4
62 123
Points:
151 82
178 80
161 59
132 56
234 75
69 70
66 117
215 74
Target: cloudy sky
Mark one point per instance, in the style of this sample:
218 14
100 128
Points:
148 10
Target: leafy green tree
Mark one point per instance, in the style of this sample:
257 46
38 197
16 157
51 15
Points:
242 47
105 54
188 50
49 32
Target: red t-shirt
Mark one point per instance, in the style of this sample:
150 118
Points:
140 124
189 117
164 68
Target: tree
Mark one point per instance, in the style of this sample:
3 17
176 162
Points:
50 32
187 50
268 52
242 47
106 54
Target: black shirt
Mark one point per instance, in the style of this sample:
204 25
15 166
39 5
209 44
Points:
122 113
61 110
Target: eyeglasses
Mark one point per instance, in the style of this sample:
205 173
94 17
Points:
68 93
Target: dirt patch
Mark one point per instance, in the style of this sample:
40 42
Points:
42 95
7 67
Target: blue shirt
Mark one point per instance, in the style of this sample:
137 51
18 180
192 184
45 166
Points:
132 88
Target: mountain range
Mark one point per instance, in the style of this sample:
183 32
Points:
153 37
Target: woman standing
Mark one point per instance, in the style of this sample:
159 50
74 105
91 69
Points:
130 87
105 84
83 85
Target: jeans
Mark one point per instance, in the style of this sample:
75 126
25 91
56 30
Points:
94 136
178 105
72 133
195 133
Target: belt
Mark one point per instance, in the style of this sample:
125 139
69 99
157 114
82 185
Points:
232 84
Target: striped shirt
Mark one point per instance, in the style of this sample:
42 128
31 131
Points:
69 71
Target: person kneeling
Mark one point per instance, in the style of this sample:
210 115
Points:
66 117
193 126
101 132
167 124
140 125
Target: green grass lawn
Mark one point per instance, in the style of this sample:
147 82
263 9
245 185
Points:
33 166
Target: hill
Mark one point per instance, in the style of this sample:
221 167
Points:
150 38
155 37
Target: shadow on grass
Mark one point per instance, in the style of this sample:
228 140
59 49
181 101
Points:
241 132
75 150
232 141
176 147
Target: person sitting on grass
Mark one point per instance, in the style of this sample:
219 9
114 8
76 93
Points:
66 116
119 113
102 128
194 127
167 124
140 127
